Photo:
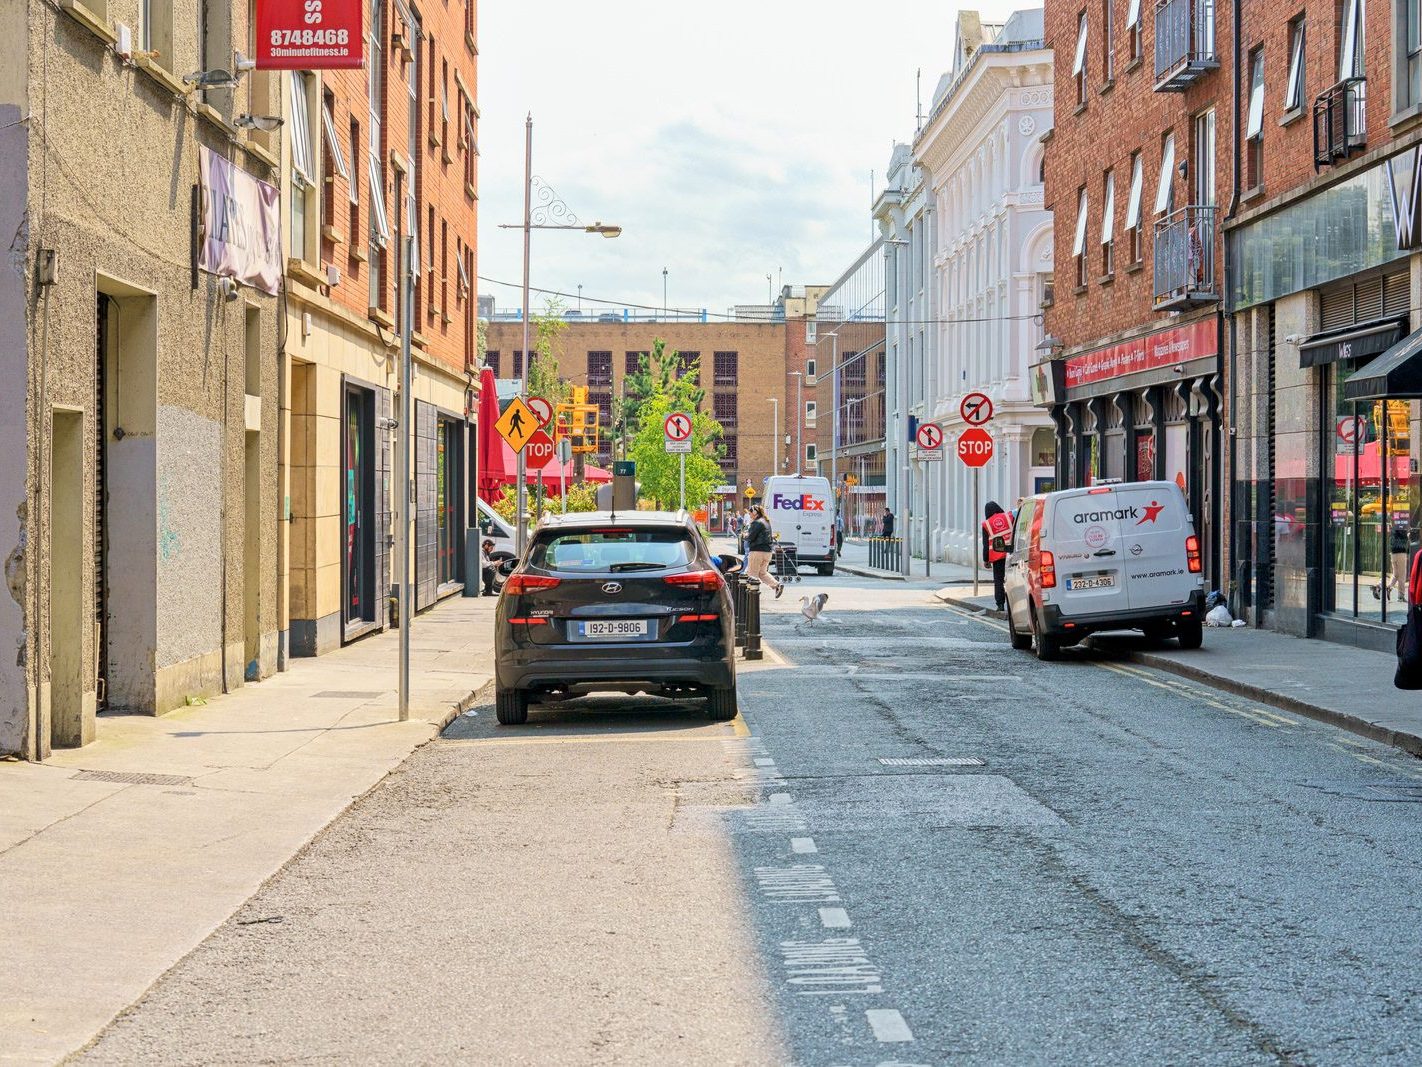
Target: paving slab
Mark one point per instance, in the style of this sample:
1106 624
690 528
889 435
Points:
119 858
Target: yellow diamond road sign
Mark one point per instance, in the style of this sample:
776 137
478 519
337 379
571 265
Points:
517 424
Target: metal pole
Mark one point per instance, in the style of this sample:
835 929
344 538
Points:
927 523
563 478
976 547
682 480
521 491
800 420
775 432
406 425
834 426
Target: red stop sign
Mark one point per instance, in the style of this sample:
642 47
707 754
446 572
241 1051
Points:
975 447
538 451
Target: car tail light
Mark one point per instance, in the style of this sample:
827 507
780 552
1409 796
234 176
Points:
1049 570
531 621
706 581
1192 554
697 618
527 583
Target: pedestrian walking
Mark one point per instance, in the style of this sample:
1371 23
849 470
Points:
887 526
759 547
996 527
1397 571
839 532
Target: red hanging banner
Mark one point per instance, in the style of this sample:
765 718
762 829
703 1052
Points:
310 34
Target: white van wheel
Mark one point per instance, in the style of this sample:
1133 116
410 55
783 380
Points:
1021 642
1048 648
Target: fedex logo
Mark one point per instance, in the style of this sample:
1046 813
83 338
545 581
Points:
796 503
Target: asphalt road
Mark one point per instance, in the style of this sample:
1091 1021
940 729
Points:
929 849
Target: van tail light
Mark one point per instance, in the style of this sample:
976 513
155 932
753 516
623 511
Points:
705 581
1192 554
527 583
1049 570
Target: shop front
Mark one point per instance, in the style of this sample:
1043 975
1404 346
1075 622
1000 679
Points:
1143 408
1328 373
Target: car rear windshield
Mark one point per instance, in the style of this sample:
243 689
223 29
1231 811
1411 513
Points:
612 549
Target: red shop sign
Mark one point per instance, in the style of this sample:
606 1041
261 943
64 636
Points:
309 34
1163 349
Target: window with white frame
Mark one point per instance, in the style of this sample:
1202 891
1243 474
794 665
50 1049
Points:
1294 90
302 164
1078 247
809 370
1254 127
1135 30
1165 186
1078 65
810 331
1408 35
812 453
1108 42
811 411
1108 226
333 160
1133 210
1350 40
1203 154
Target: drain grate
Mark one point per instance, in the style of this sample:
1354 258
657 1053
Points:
131 778
348 694
934 761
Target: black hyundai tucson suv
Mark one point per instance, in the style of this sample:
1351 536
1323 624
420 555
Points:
627 602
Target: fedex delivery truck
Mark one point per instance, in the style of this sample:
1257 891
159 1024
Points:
801 510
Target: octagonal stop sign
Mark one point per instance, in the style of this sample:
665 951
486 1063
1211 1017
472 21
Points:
975 446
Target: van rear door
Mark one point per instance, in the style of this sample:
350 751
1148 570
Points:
1153 543
1085 542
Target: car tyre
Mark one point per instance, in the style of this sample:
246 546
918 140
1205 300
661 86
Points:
1021 642
1191 633
826 570
1156 632
511 706
1047 646
721 704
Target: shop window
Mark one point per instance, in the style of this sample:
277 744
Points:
1254 128
1294 90
1108 226
1078 66
359 604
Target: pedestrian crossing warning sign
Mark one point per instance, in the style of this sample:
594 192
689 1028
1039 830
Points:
517 424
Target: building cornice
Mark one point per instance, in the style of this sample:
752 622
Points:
1003 83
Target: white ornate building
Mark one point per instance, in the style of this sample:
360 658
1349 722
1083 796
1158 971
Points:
980 157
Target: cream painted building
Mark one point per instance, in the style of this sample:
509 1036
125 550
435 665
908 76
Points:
139 431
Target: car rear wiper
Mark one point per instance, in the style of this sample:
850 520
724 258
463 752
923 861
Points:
637 567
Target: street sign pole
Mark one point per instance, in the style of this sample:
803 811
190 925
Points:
406 427
927 528
976 546
521 474
682 479
563 474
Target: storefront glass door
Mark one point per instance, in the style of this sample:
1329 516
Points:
358 520
447 486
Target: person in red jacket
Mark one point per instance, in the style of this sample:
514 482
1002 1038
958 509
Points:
996 523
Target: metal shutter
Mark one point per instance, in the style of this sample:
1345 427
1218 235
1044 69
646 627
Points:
1337 309
426 516
1397 294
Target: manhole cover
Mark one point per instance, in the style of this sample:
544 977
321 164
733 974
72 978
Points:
931 761
348 694
131 778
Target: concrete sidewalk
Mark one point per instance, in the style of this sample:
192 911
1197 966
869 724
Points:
1347 687
117 859
854 558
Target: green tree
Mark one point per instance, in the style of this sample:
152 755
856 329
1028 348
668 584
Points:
548 330
656 371
673 388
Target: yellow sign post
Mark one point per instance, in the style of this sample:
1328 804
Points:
517 424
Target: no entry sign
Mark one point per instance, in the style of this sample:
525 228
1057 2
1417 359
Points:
930 437
542 410
677 428
975 447
539 451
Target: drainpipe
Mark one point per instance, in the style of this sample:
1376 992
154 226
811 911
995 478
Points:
1231 499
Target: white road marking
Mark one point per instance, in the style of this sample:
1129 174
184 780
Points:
765 763
803 844
834 918
780 798
888 1025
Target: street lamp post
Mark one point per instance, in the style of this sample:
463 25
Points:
799 377
775 432
664 294
549 207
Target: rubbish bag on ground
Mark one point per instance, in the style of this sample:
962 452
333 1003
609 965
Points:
1218 616
1213 598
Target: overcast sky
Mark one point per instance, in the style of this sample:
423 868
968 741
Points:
730 141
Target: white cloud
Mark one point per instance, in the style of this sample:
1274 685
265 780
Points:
729 142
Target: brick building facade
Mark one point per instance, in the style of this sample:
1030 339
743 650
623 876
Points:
371 157
742 367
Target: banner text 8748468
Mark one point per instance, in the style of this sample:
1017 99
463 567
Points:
309 34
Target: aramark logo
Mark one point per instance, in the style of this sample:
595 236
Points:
1152 512
796 503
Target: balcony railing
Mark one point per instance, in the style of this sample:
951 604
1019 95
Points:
1185 258
1184 43
1340 122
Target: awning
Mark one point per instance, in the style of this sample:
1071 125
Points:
1351 342
1396 373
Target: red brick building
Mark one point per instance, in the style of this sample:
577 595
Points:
369 157
1136 176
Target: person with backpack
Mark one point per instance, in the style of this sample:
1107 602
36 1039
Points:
997 525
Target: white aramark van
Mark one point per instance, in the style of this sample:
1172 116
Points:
1110 557
801 510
